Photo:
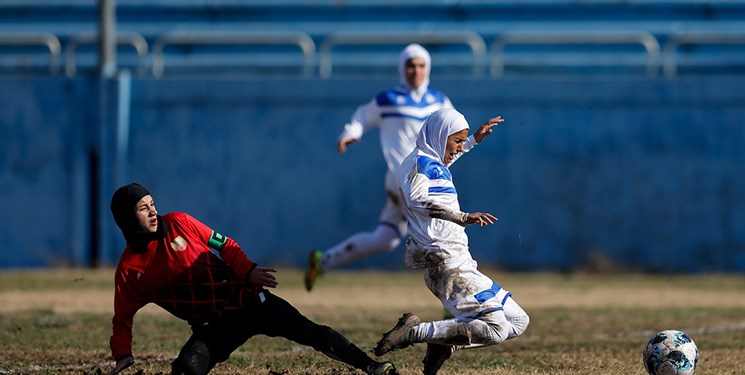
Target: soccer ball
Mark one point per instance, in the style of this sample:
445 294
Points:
671 352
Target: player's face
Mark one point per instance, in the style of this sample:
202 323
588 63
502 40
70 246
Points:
454 145
146 214
416 71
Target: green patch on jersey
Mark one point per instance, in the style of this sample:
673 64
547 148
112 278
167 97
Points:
217 241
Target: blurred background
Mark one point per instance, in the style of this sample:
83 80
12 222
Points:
623 147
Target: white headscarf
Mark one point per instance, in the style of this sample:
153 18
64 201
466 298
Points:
411 51
436 129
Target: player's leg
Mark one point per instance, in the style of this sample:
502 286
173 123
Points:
516 322
435 357
500 324
438 353
460 332
353 249
212 343
512 318
443 337
385 237
517 317
193 359
478 306
463 332
291 324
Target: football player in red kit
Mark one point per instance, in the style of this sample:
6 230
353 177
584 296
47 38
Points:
205 278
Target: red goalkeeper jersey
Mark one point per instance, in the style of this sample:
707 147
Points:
194 273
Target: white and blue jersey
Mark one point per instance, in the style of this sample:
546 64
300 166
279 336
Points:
399 114
438 243
435 222
485 313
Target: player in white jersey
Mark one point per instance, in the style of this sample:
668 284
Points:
398 114
484 313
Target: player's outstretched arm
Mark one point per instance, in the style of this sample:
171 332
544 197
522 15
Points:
481 218
485 128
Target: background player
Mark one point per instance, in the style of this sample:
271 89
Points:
484 313
204 278
398 113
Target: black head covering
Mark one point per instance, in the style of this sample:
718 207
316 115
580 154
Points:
123 208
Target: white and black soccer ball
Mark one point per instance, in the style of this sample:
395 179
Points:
671 352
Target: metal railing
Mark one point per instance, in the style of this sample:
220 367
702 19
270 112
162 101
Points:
670 65
563 37
475 57
133 39
47 40
472 40
299 39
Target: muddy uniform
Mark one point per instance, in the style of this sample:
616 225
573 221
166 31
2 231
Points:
484 312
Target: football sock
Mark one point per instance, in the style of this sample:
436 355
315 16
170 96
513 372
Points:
336 346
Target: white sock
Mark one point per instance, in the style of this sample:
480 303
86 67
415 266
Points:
360 246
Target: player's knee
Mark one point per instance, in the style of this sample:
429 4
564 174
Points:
194 359
517 318
499 333
519 325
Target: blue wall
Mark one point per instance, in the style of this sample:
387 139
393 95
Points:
43 171
646 173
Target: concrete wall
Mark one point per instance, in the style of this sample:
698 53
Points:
644 173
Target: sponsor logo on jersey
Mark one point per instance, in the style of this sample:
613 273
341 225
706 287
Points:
179 244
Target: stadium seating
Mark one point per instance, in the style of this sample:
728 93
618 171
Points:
361 38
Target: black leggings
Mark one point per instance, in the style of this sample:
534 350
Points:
213 342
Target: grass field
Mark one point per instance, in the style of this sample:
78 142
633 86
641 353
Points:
54 322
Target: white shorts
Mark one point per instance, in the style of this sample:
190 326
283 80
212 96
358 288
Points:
464 291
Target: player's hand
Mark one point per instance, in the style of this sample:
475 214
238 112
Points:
343 142
485 128
262 277
122 364
481 218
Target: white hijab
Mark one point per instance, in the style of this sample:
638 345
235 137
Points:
436 129
411 51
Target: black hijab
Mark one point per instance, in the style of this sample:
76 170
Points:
123 208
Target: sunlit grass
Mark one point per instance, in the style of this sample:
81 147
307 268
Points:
593 337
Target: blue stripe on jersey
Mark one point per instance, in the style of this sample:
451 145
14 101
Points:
442 189
395 97
395 114
433 169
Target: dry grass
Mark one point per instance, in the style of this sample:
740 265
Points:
59 322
